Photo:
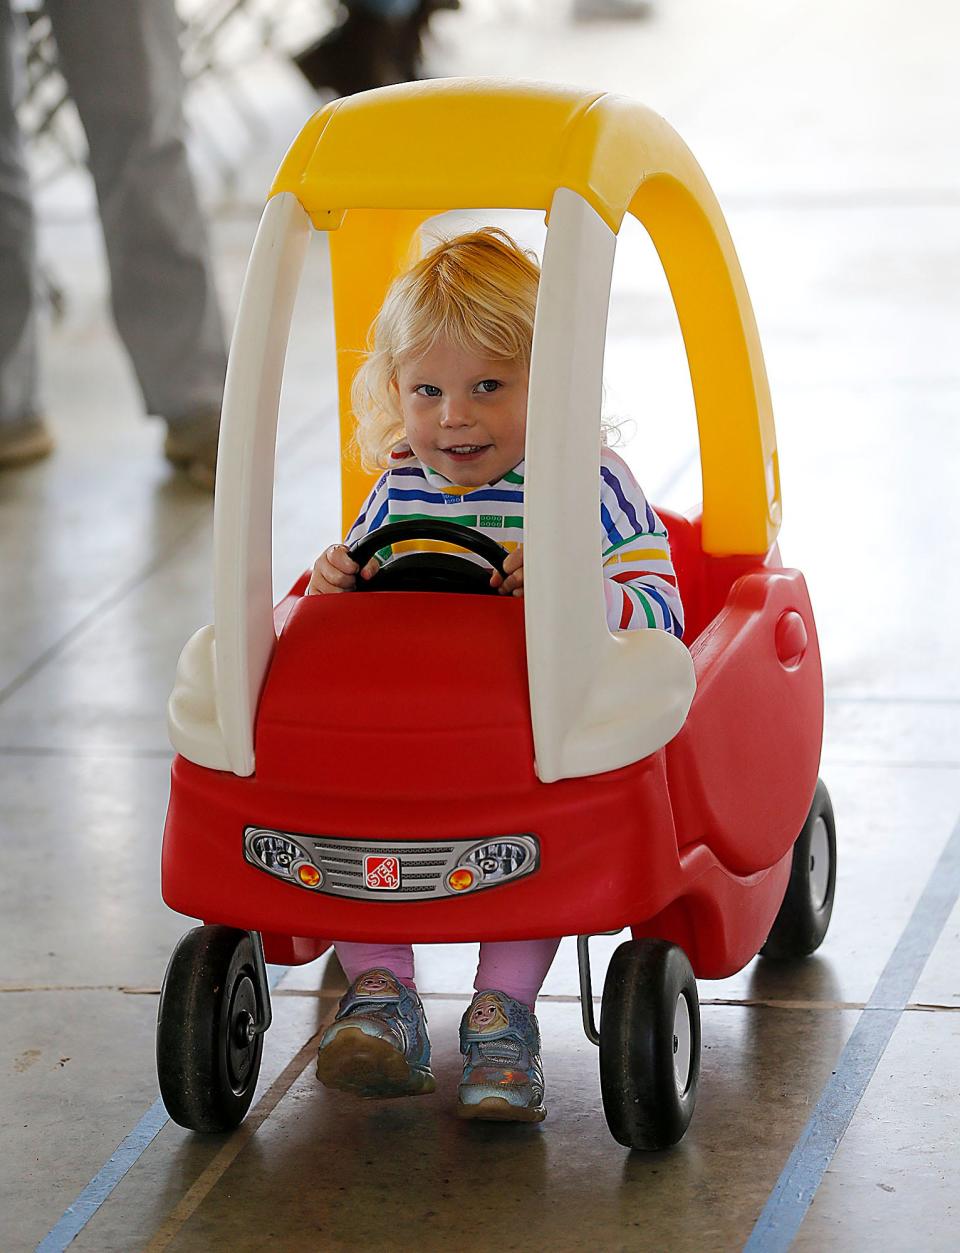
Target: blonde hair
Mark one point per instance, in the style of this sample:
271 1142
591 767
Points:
478 291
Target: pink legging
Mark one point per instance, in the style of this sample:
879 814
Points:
516 967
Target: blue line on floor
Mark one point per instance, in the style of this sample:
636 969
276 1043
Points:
794 1191
76 1216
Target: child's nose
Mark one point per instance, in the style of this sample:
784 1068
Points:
456 413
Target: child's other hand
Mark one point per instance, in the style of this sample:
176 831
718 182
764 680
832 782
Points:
512 583
334 571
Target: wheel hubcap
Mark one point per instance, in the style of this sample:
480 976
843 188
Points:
682 1044
240 1040
819 864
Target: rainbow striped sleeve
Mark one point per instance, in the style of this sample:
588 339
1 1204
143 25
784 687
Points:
640 584
374 511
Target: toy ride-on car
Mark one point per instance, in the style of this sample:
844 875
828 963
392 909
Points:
569 781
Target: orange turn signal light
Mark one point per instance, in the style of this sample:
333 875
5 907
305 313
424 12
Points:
309 876
460 880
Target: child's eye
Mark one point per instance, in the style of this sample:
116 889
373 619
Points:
488 385
427 389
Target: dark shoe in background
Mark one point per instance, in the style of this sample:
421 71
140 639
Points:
365 50
191 445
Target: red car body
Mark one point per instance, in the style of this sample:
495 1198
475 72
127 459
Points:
404 718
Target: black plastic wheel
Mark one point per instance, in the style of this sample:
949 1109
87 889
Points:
649 1044
207 1062
804 916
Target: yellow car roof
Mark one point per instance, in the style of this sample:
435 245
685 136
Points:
473 143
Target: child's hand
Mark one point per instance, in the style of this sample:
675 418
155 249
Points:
512 583
334 571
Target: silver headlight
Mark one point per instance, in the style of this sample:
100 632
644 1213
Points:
275 853
492 862
501 859
283 858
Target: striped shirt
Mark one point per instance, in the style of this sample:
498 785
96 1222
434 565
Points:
640 585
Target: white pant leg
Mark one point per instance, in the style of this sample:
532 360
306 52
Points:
121 61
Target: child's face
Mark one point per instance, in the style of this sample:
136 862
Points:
464 415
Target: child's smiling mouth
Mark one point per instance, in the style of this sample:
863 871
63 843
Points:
465 452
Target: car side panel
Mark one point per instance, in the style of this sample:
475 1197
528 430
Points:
743 769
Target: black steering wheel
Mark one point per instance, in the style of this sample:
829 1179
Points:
429 572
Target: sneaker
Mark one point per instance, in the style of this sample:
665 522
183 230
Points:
502 1071
377 1045
191 444
27 439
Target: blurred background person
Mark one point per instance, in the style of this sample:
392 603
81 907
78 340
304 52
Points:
373 44
121 63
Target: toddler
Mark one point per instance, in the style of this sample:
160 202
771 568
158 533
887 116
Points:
441 408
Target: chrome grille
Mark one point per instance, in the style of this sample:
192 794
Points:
423 867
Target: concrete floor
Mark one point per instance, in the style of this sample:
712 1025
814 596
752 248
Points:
829 133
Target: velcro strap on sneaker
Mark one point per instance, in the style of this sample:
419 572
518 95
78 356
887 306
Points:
496 1016
372 989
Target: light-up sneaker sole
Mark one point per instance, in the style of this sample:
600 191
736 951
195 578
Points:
497 1109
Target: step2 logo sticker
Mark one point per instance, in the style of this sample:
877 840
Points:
381 874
